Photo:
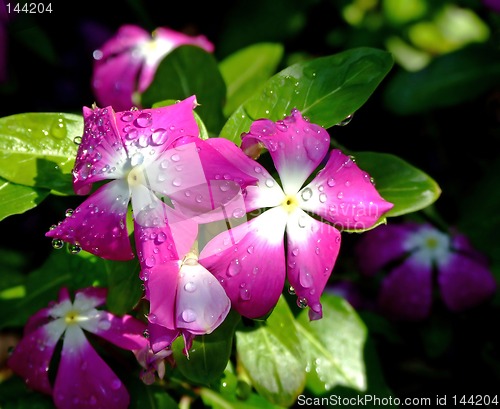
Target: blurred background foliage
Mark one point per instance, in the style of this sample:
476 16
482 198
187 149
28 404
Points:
438 109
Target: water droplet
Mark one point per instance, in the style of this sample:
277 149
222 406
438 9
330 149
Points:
340 195
144 120
250 249
190 287
150 261
302 302
176 182
322 197
69 212
306 194
152 318
331 182
131 133
127 116
188 315
116 384
159 136
269 182
245 294
137 159
74 248
238 213
295 251
234 267
291 290
58 129
77 140
346 120
104 324
302 221
175 157
145 333
57 244
347 183
306 279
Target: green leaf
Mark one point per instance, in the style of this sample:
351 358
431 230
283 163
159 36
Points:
209 354
325 89
247 70
124 285
271 356
398 182
217 401
186 71
16 199
449 80
37 149
333 346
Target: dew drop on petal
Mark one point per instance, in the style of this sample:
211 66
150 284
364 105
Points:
302 302
340 195
245 294
331 182
190 287
269 182
144 120
57 244
322 197
116 384
159 136
74 248
188 315
238 213
234 267
137 159
306 279
127 116
291 290
306 194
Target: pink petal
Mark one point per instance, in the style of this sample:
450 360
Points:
296 146
161 337
343 194
313 247
98 225
83 379
201 302
378 247
406 293
32 355
100 154
261 192
464 282
125 332
90 297
249 262
162 289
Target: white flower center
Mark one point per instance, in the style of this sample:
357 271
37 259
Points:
429 245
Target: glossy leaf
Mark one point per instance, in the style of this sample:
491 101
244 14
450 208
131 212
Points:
325 89
124 285
441 84
272 358
209 354
186 71
16 199
402 184
247 70
333 346
37 149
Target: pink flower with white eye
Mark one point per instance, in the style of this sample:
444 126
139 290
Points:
185 299
414 253
126 64
83 379
249 260
146 156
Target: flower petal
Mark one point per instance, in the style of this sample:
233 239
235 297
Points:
312 249
162 291
201 302
344 195
249 262
296 146
125 332
261 192
385 244
32 355
100 155
161 337
83 379
406 292
464 282
98 225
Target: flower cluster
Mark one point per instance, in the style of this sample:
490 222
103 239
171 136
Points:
413 252
201 249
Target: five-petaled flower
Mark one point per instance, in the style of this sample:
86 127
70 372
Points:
412 252
152 158
83 379
126 64
249 260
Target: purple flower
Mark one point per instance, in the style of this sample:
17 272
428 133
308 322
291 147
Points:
249 260
126 64
83 379
146 156
413 253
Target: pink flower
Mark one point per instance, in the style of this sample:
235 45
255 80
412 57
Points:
249 260
413 253
83 379
185 299
126 64
149 157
